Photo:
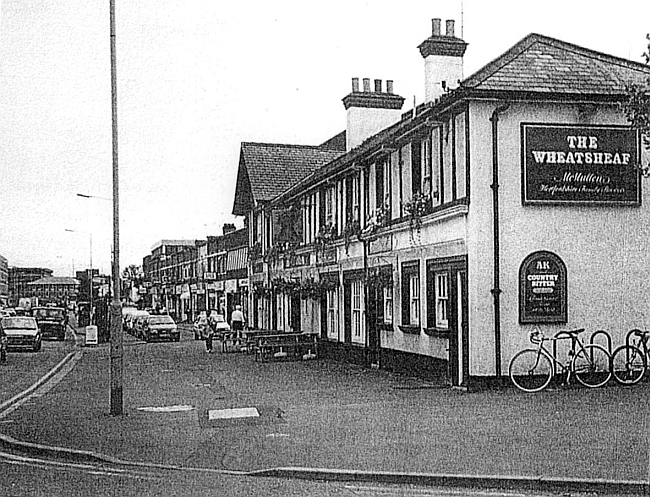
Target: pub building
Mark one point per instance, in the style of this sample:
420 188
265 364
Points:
443 235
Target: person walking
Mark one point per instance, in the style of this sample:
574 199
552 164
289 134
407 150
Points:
207 330
237 321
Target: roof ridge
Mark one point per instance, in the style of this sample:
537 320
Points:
287 145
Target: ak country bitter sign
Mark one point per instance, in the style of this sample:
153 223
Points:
579 164
542 289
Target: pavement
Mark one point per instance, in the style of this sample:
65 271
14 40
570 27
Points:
326 420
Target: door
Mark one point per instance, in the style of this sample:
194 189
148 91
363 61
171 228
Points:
295 313
375 303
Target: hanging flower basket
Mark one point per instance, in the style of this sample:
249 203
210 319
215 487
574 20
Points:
415 209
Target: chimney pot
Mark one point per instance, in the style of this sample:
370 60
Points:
435 25
450 28
355 85
366 84
378 86
389 86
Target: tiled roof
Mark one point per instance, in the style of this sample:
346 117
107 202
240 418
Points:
273 168
546 65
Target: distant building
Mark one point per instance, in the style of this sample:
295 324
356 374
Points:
19 277
4 281
55 289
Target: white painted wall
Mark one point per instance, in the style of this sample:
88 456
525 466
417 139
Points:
605 248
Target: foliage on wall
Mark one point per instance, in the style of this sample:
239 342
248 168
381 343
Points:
637 110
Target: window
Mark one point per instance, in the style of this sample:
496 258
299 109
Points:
330 206
414 299
416 167
357 329
442 300
411 295
426 167
388 305
309 218
355 198
333 313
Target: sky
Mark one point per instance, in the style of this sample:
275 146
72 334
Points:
195 78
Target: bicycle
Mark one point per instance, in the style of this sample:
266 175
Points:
630 361
532 370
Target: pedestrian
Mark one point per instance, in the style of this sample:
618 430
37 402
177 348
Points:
207 330
237 321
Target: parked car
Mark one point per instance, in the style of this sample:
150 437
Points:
160 326
52 321
22 332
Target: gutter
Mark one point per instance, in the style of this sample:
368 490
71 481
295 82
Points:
496 290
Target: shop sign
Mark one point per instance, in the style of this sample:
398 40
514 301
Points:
242 282
210 276
219 286
193 287
178 289
231 286
579 164
542 289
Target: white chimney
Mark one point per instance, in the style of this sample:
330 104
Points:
368 112
443 60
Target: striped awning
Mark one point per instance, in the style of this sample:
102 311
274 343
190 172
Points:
237 259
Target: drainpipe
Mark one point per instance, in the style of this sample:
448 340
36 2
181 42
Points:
496 290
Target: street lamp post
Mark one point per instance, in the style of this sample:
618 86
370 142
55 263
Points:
116 348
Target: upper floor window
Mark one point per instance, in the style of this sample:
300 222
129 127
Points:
330 206
427 173
356 203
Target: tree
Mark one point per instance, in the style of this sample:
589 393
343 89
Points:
637 109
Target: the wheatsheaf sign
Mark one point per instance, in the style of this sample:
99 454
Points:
583 164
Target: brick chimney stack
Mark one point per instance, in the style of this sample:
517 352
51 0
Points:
443 60
370 111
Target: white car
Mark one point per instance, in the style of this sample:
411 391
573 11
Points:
21 332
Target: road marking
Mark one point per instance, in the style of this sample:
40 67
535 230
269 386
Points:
43 385
243 412
180 408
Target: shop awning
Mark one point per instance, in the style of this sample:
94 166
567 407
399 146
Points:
237 259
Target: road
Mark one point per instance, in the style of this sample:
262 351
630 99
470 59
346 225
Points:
440 430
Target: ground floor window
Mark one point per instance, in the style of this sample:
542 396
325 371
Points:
411 294
442 300
388 304
357 328
333 314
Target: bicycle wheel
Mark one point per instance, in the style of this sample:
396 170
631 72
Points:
530 370
591 366
628 365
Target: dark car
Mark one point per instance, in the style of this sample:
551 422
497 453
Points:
159 327
21 332
52 321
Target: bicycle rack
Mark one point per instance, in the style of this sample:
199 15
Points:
592 340
629 334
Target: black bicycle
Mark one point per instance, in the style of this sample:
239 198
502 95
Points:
630 361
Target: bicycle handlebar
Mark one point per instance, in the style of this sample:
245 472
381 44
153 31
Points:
537 336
